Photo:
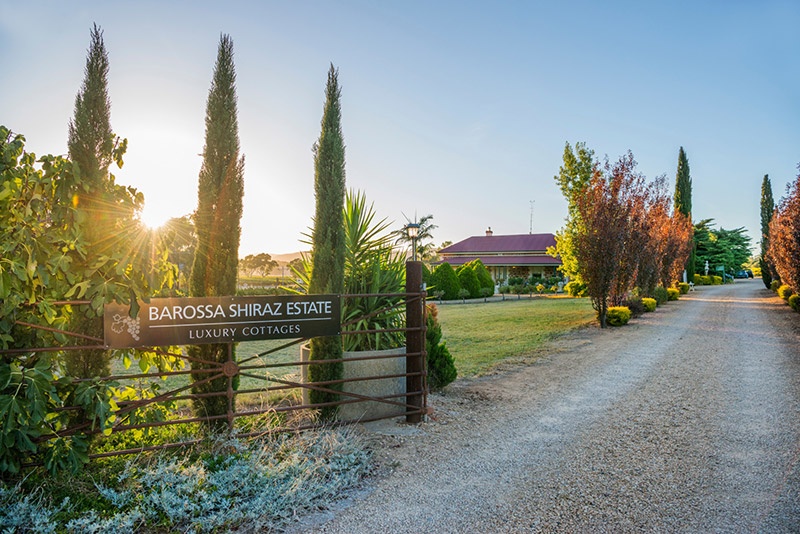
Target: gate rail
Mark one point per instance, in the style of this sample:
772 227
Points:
412 403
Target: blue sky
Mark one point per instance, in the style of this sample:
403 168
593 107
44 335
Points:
457 109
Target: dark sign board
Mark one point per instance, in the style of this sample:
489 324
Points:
199 320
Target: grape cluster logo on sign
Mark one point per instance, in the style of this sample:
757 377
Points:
194 321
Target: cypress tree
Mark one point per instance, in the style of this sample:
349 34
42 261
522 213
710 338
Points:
683 202
217 221
767 209
90 145
328 237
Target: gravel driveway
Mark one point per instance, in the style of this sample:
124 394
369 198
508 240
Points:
686 420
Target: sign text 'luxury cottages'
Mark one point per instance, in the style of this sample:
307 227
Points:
198 320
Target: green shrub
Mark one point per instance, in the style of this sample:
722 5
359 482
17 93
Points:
774 285
673 294
482 273
794 302
444 278
661 295
441 366
469 281
618 315
515 281
504 290
698 280
635 305
785 291
683 287
716 280
649 304
575 289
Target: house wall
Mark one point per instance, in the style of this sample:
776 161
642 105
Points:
501 273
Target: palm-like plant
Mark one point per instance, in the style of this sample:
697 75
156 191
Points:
373 268
425 233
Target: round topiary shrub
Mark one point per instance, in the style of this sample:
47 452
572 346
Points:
794 302
785 291
774 285
469 281
683 287
618 315
673 294
444 278
649 304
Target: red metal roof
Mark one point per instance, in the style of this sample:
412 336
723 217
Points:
507 260
501 244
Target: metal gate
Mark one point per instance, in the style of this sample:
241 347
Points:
268 398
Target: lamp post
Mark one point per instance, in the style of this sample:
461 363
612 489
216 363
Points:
412 230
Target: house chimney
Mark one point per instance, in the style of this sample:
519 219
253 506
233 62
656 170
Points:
489 232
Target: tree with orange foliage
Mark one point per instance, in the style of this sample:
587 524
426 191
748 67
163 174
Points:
677 247
606 247
628 236
784 237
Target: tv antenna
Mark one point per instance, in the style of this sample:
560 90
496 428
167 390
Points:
530 230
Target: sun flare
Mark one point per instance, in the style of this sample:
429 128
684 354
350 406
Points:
153 217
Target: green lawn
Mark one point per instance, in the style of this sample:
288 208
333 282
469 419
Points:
481 334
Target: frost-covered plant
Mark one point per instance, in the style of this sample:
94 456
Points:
228 483
20 512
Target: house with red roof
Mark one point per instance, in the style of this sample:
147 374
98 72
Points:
505 255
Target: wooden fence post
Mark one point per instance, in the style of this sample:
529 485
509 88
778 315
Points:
415 341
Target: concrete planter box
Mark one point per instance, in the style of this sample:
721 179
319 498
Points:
371 388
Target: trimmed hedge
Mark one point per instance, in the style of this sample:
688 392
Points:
774 285
794 302
683 287
785 291
618 315
673 294
649 304
703 280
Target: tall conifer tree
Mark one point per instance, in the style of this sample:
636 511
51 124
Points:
328 236
767 209
91 146
683 202
217 220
